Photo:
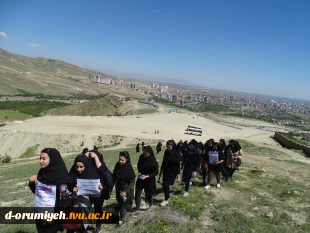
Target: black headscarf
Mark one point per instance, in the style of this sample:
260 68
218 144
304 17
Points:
124 172
56 172
88 173
174 155
235 146
147 162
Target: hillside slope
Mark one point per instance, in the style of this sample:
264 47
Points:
51 77
108 105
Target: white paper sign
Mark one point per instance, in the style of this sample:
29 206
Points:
88 186
45 197
213 157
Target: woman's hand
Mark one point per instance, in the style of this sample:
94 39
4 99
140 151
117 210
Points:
194 174
100 187
33 179
123 194
76 189
179 178
144 177
93 155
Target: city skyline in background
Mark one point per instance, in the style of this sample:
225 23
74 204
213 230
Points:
259 47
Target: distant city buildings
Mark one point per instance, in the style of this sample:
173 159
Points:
205 99
105 80
251 105
100 79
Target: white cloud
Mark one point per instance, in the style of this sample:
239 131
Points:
33 45
3 35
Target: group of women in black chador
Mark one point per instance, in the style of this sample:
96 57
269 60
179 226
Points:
191 157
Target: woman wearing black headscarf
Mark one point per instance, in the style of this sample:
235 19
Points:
171 168
138 148
124 176
222 145
82 168
204 160
54 174
191 163
158 147
99 165
215 159
233 152
147 170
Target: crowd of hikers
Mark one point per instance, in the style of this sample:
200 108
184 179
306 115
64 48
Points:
188 158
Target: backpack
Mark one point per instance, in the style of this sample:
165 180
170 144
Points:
107 179
238 162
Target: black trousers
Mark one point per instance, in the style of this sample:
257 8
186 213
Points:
98 203
166 191
148 196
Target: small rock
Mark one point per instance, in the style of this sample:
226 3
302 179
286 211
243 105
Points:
255 208
270 215
253 198
210 204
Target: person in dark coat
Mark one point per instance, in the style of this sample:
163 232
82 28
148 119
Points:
98 165
204 160
215 159
191 164
147 170
54 174
222 145
82 168
138 148
233 152
158 147
171 168
124 177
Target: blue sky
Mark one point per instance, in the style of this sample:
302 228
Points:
259 46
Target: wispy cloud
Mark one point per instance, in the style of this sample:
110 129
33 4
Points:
33 45
162 9
3 35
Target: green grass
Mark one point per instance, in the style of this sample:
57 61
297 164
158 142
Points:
12 115
302 142
146 111
30 108
30 152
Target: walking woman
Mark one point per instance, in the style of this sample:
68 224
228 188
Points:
204 160
158 147
82 168
222 145
215 159
138 148
171 168
96 159
52 179
147 170
233 152
191 164
124 176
